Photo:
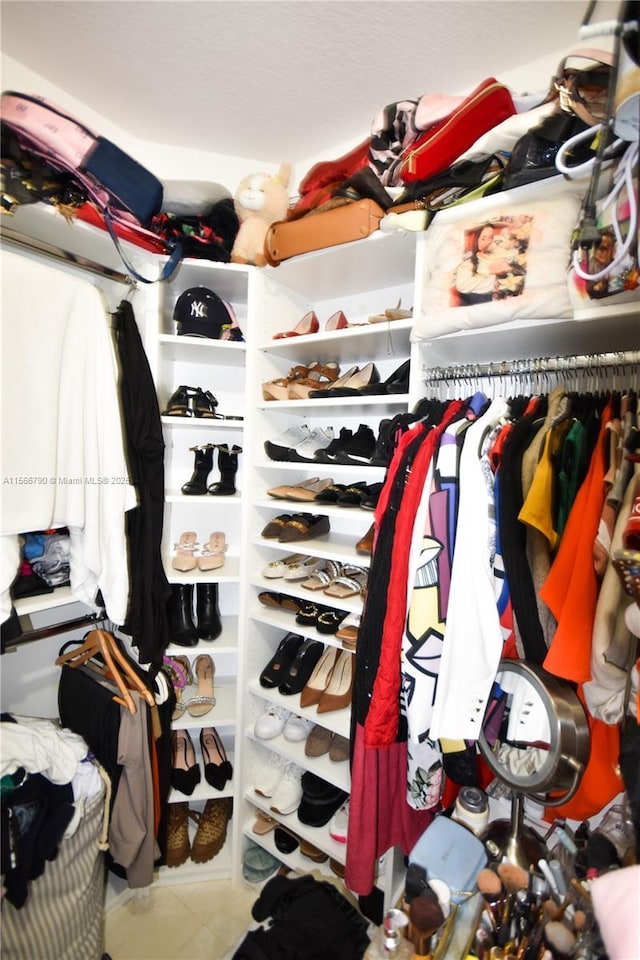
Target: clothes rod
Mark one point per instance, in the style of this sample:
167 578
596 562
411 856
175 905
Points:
28 636
504 368
57 253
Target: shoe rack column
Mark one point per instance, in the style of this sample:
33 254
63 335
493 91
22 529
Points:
302 620
202 397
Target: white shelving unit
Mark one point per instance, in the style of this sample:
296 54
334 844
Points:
219 367
361 279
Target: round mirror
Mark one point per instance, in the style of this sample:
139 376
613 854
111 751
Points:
535 738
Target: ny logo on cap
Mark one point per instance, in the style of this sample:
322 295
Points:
198 309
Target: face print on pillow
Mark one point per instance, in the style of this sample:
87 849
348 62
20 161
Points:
498 259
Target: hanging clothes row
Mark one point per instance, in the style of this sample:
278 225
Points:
475 520
108 700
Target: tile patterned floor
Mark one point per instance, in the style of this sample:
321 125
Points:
198 921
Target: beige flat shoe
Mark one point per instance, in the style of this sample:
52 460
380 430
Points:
319 679
213 552
281 492
184 559
352 582
337 695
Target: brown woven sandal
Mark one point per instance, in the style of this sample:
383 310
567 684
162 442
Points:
212 830
178 847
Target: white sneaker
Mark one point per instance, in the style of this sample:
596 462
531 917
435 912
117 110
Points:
271 723
297 728
288 793
279 448
269 774
318 439
339 824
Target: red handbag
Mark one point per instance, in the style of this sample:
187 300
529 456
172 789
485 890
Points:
439 146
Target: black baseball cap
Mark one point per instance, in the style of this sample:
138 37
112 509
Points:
199 312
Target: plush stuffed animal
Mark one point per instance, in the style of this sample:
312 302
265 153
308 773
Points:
259 201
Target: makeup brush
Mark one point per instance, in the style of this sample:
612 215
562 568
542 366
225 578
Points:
425 916
559 939
514 877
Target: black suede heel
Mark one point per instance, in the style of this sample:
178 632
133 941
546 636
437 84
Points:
217 769
185 772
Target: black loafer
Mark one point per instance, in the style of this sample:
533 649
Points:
278 666
285 842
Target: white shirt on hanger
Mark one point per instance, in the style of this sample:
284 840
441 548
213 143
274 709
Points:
63 459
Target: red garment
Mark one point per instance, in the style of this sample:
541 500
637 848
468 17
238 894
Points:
381 724
379 815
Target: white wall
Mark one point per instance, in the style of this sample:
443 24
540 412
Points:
166 161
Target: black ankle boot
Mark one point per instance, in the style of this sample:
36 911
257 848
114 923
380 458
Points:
228 466
207 611
203 466
182 629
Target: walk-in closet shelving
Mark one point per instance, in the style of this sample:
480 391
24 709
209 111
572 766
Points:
217 366
361 279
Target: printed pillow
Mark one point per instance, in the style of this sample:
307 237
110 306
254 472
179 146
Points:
500 258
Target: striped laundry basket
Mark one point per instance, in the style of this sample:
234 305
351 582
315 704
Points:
63 917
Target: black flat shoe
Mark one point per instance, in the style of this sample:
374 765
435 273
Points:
301 667
330 620
185 772
217 769
278 666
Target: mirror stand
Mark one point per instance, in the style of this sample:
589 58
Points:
511 840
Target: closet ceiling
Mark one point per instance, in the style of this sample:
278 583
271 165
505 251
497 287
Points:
274 80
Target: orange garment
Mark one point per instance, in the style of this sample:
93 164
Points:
571 592
571 587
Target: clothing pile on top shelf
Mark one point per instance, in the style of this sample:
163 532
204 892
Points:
53 827
495 511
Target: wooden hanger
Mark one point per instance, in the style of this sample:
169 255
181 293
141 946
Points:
120 670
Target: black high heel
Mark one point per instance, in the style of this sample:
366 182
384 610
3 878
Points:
182 629
185 772
301 667
207 611
279 664
217 768
398 382
202 467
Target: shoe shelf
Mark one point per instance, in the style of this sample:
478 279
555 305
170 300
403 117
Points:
218 868
225 644
350 604
337 721
341 547
334 772
229 573
223 714
204 790
317 836
175 496
361 280
287 623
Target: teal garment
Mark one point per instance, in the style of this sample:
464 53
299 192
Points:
569 474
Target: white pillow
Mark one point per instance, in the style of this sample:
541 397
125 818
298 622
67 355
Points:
499 258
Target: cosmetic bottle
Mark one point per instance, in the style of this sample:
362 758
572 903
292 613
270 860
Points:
389 942
472 809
